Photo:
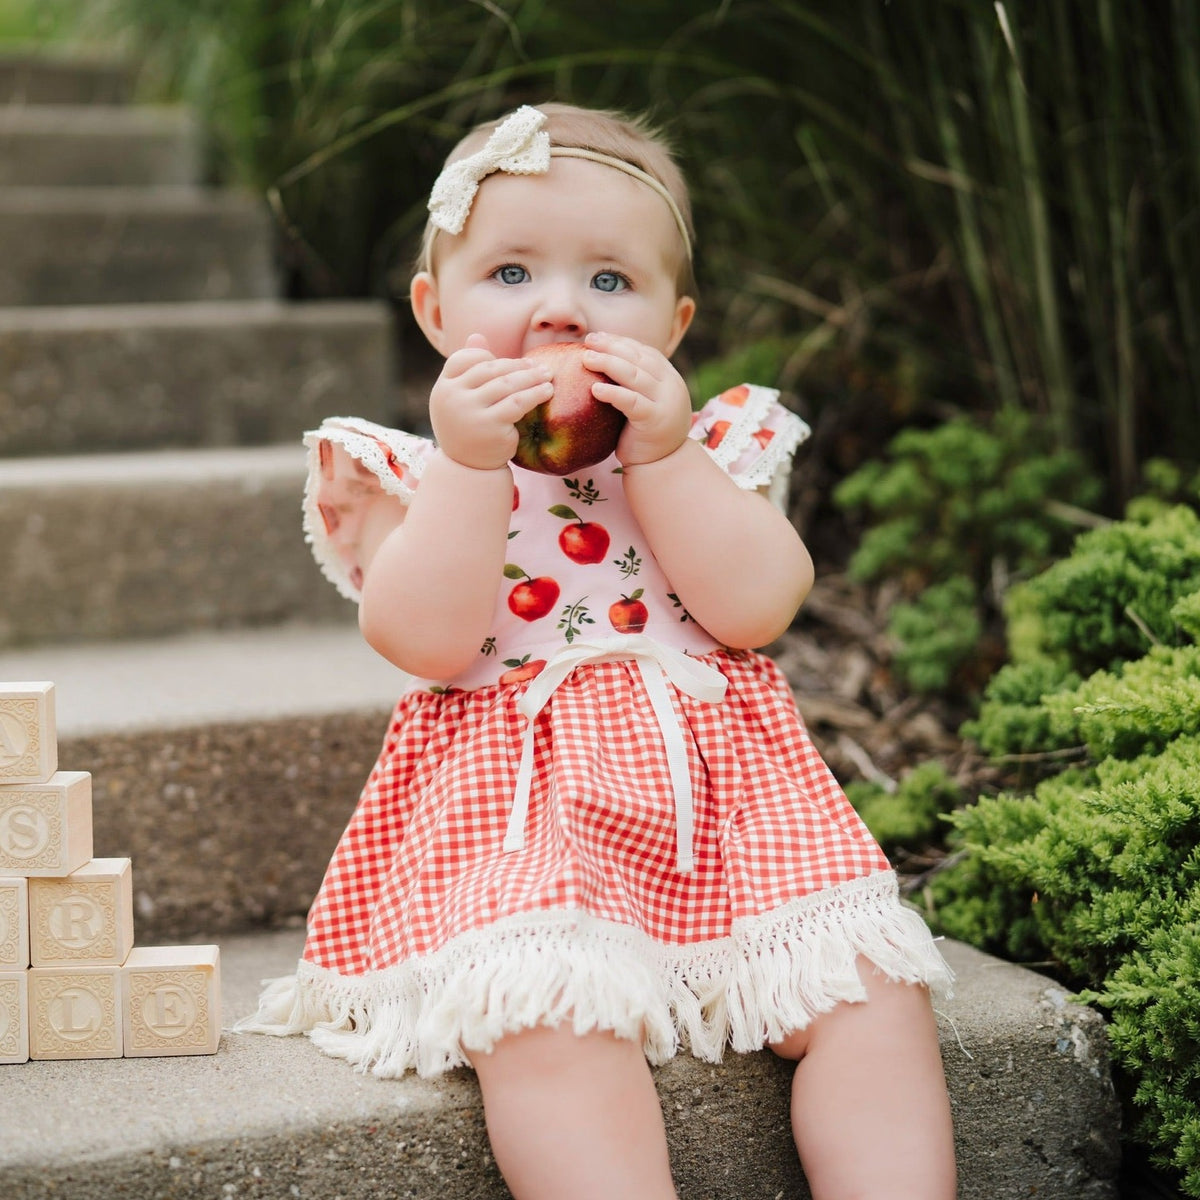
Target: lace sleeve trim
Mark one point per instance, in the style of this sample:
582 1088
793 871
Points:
395 459
751 436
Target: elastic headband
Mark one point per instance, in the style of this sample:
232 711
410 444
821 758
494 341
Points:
519 146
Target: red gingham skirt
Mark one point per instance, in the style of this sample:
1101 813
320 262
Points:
427 937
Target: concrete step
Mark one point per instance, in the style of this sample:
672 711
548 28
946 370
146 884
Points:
273 1118
133 245
39 76
137 545
224 765
238 372
97 146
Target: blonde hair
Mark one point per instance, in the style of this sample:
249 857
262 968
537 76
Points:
629 139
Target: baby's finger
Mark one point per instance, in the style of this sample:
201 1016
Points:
463 360
625 374
524 399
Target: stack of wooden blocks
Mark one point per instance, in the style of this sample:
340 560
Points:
72 983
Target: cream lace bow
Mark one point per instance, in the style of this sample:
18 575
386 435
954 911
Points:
518 146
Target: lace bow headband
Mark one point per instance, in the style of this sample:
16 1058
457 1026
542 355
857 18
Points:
520 146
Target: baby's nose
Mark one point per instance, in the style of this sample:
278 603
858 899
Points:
560 312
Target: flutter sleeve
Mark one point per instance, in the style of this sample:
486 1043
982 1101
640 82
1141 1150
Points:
752 436
353 463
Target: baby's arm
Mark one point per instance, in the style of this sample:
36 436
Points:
738 565
429 589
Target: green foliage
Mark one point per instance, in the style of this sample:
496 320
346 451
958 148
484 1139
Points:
1113 597
1009 186
1138 710
1098 871
959 509
1154 998
1013 720
911 815
954 499
935 633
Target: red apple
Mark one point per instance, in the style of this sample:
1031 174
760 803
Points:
582 542
572 429
533 598
586 542
629 614
521 669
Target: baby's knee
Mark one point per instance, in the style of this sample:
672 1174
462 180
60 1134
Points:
792 1046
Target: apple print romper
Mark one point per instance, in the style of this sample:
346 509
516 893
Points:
608 819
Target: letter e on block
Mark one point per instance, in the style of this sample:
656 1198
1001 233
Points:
46 828
74 1012
14 924
172 1001
84 919
28 736
14 1017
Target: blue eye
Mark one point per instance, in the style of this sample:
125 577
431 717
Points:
511 274
609 281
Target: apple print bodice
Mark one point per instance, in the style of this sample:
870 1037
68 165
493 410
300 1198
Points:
578 570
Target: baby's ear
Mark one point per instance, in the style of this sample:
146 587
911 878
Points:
685 310
427 308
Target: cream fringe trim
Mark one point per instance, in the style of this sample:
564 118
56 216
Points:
772 975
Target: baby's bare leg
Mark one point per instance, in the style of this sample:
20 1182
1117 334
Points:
870 1112
574 1116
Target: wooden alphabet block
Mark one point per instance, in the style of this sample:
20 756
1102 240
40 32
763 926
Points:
14 924
46 828
28 737
84 919
74 1012
172 1001
14 1017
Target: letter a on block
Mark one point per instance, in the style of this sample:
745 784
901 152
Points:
172 1001
28 735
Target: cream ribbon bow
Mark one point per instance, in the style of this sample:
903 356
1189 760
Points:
657 664
518 146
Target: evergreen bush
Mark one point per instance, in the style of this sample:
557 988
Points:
958 512
910 816
1097 872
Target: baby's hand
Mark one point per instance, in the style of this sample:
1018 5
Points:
477 400
647 389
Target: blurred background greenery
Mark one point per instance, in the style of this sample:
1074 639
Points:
905 210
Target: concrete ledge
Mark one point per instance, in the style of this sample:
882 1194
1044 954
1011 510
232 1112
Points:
97 146
141 545
273 1118
146 376
38 76
132 245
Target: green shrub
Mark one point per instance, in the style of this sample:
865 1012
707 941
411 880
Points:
958 511
910 816
936 633
962 498
1113 596
1013 720
1153 1000
1097 872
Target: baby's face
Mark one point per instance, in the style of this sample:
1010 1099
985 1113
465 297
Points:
551 258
